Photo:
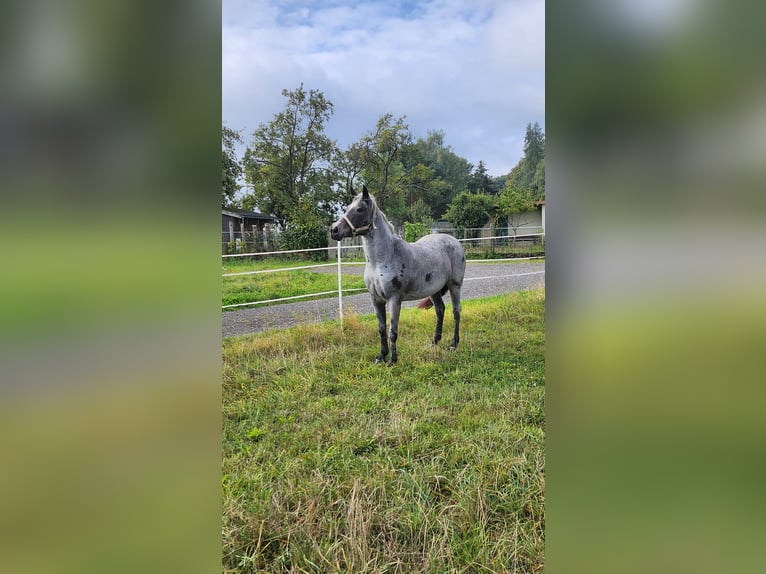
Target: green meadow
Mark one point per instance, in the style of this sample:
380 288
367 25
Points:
334 464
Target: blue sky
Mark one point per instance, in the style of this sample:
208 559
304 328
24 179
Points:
474 69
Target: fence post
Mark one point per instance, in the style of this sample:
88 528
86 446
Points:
340 290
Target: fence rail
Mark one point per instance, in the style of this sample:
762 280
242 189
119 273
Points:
234 243
339 247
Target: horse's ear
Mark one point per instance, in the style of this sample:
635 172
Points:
352 190
365 193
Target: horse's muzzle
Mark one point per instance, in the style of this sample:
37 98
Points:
335 232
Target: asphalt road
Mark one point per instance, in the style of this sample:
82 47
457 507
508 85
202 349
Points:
481 280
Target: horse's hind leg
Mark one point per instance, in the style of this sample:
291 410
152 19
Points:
395 305
436 298
454 293
380 311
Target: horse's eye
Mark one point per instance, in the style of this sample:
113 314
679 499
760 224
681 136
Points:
359 209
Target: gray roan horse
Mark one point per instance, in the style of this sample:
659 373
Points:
398 271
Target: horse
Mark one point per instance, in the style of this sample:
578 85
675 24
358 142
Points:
398 271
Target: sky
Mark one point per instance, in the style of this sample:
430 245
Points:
474 69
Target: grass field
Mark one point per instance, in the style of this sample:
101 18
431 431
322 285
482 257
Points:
265 286
262 287
334 464
237 264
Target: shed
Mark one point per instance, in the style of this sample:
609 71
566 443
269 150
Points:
243 225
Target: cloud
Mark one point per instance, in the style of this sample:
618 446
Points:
474 70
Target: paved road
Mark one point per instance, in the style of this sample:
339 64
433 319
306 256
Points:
481 280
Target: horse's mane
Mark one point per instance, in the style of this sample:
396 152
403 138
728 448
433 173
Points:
383 215
390 225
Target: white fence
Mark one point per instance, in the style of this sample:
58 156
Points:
238 242
507 231
339 248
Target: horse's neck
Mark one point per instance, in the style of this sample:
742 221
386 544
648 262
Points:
377 243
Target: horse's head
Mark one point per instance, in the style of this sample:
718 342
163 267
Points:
358 219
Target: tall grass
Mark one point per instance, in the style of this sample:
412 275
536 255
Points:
334 464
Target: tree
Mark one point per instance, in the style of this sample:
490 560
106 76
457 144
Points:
382 167
514 203
419 212
470 210
413 181
498 183
289 161
421 188
348 165
534 146
525 174
453 170
538 184
306 230
480 180
231 169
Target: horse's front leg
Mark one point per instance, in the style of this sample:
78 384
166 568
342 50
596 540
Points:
380 311
395 305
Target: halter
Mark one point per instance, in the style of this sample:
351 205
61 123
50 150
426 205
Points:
357 230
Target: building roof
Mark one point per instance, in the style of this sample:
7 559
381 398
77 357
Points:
243 213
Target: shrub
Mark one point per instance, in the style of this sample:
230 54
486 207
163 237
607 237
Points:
414 231
469 211
308 234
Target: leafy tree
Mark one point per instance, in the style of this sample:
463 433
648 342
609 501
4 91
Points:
348 165
413 181
381 160
307 229
534 146
288 162
414 231
514 203
480 181
419 212
424 189
470 210
498 183
421 188
431 147
449 167
231 169
525 174
538 184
